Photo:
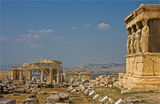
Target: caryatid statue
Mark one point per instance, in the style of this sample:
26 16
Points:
145 36
132 42
129 41
137 39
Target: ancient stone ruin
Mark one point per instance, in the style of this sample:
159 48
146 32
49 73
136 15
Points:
77 74
143 47
142 72
49 68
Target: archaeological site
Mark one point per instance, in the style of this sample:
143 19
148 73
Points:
46 81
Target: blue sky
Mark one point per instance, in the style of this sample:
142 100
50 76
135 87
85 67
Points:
76 32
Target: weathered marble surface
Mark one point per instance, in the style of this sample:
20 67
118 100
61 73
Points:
143 47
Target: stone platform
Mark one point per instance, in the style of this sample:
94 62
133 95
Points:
142 73
140 84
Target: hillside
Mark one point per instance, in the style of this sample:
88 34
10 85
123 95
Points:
104 69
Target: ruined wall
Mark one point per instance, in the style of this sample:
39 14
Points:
5 74
78 74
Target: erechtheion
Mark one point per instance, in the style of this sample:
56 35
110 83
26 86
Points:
50 68
143 47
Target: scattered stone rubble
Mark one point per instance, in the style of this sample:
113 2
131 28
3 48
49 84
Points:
31 99
84 87
7 101
88 90
9 87
58 98
106 81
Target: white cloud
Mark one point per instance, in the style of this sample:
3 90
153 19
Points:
74 27
35 45
87 25
42 31
103 26
34 35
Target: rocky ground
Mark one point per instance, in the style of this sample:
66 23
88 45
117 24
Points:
83 92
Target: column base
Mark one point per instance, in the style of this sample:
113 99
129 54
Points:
18 81
139 84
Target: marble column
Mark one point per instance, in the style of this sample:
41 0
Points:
42 76
58 77
64 74
12 74
21 75
15 74
50 76
29 76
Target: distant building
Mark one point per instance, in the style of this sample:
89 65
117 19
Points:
77 74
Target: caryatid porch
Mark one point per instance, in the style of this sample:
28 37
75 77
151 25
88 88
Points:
143 47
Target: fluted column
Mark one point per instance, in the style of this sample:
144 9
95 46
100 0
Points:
58 77
12 74
42 76
20 75
50 76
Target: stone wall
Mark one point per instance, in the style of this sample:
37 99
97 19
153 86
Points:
78 74
154 39
5 74
141 65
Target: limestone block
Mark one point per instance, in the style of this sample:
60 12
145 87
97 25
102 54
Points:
104 99
110 101
119 101
86 92
70 88
91 93
132 100
63 96
74 90
82 88
95 97
53 98
7 101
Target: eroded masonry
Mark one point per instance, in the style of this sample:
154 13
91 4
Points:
51 69
143 47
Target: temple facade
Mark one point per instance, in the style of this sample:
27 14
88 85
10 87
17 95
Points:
143 50
48 68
